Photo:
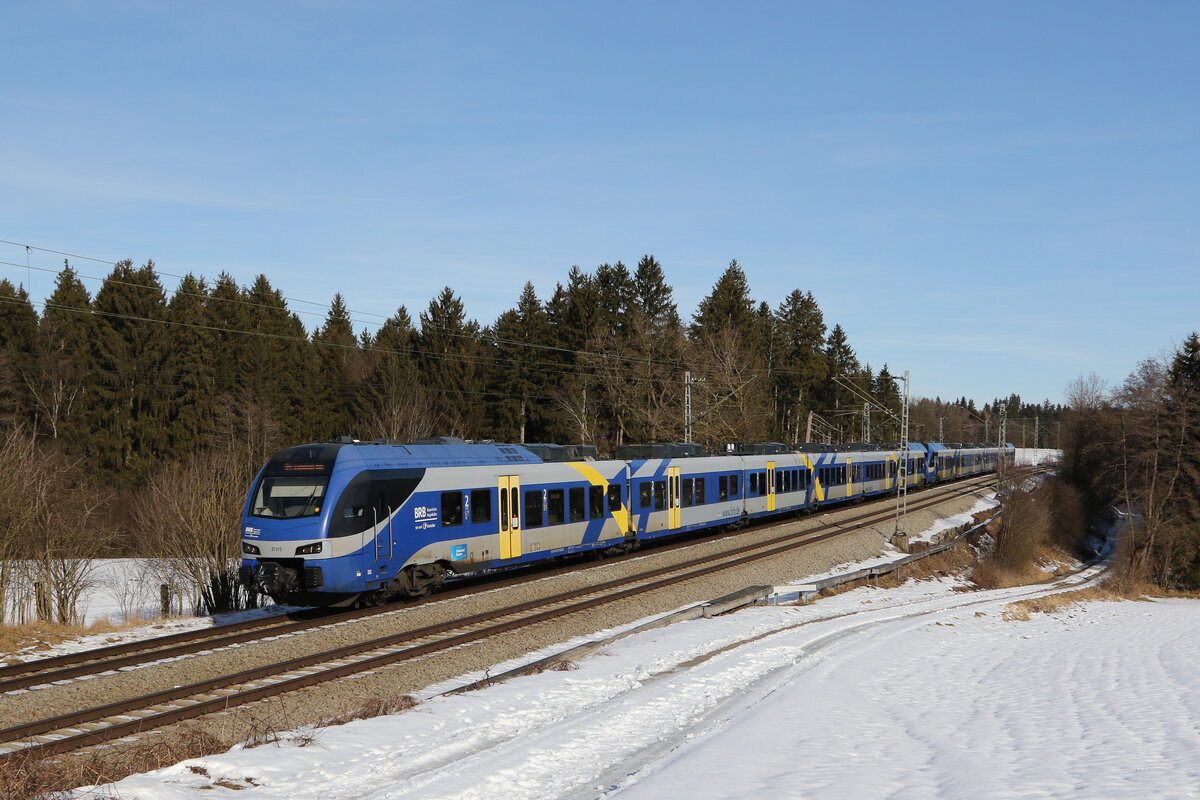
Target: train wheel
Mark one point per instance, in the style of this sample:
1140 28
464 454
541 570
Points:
418 580
371 599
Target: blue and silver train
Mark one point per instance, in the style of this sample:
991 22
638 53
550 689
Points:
333 523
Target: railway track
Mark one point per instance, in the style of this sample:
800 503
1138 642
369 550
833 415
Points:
87 727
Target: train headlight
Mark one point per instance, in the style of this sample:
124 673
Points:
250 549
309 549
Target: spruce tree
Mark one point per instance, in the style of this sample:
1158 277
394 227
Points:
331 404
189 366
279 364
652 297
18 335
841 362
728 307
64 378
520 383
576 325
394 404
801 367
230 317
447 361
129 409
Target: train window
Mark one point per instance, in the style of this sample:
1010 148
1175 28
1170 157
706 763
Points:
596 501
733 486
503 510
452 509
660 495
533 509
289 497
614 498
576 506
701 497
481 505
778 481
554 507
723 487
689 492
753 483
644 494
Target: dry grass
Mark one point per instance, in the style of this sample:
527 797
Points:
991 574
1021 610
42 635
940 565
561 665
375 707
31 778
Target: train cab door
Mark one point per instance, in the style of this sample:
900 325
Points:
770 486
383 528
510 516
673 498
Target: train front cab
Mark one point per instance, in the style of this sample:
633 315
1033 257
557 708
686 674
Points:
286 550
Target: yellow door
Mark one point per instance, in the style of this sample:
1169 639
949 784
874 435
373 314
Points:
770 486
849 477
673 495
510 516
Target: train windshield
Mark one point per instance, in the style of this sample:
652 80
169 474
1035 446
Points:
289 497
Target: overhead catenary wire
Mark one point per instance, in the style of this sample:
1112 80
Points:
634 360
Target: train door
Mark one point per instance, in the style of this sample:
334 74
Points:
770 486
510 516
673 495
383 528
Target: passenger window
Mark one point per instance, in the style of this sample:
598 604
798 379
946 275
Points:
733 486
689 492
554 507
660 495
614 498
753 483
644 494
778 481
452 509
533 509
701 497
481 505
723 487
577 508
596 501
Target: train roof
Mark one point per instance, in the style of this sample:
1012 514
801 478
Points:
319 457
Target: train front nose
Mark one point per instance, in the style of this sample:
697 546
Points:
270 578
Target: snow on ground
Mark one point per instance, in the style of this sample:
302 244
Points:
916 692
1037 455
123 590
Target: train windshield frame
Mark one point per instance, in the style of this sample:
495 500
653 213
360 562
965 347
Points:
289 496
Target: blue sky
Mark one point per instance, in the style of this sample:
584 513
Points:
996 197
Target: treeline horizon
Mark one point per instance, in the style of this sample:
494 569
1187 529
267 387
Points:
137 376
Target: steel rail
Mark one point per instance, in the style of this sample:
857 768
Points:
47 671
68 724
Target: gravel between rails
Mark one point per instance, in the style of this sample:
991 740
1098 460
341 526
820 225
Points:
336 697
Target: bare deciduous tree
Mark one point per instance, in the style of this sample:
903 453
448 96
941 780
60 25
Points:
188 520
51 531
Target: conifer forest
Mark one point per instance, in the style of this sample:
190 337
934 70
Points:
144 411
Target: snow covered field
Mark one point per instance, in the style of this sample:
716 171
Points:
915 692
